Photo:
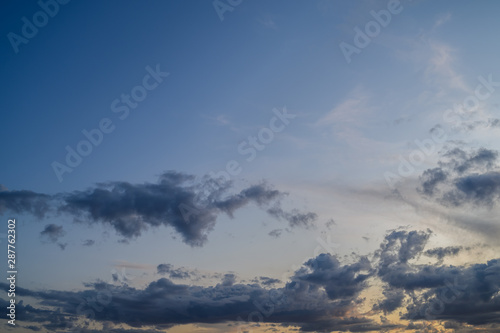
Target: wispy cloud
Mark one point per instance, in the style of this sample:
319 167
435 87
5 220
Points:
349 112
442 20
441 68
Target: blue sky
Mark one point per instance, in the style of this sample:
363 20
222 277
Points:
364 164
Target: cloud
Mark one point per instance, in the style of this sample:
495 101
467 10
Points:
174 273
322 288
430 179
466 294
339 281
392 301
24 202
400 246
351 111
441 252
267 281
441 70
276 233
324 294
53 232
177 200
441 20
461 161
463 178
330 223
295 218
490 123
88 242
228 280
480 189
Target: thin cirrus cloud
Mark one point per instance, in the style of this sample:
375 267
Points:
177 200
321 295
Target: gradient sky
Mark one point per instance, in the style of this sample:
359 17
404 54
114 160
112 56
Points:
360 209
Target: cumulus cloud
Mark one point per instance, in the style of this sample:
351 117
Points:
324 294
320 294
465 294
189 205
393 299
166 303
463 178
339 281
430 179
228 280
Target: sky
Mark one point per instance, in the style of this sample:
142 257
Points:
250 166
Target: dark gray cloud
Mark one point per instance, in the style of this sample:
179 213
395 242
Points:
430 179
174 273
321 296
166 303
53 232
339 281
322 288
393 299
479 189
28 202
399 246
177 200
441 252
463 177
228 280
466 294
294 217
88 242
461 161
276 233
